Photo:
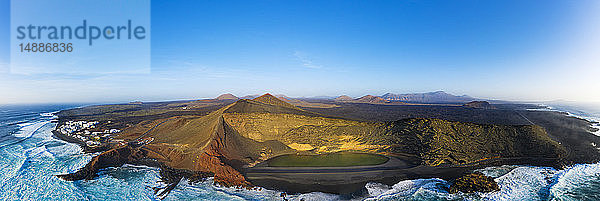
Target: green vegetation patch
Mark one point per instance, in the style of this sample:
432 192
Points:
340 159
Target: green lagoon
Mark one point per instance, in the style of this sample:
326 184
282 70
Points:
340 159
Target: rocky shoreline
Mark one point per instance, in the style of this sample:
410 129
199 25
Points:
118 157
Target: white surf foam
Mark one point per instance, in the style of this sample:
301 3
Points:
529 183
38 152
497 171
21 125
516 183
28 129
413 189
48 114
51 115
375 189
577 182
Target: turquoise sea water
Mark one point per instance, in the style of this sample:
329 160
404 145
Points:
30 157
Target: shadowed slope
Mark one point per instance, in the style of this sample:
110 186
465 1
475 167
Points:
441 142
209 144
266 104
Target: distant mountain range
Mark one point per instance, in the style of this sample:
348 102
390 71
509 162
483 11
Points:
267 97
371 99
430 97
365 99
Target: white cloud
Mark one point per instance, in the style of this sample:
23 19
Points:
306 62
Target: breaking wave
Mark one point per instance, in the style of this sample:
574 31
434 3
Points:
29 128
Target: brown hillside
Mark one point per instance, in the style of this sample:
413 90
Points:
371 99
227 97
266 104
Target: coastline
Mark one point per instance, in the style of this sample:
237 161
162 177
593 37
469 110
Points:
116 156
593 120
119 156
113 155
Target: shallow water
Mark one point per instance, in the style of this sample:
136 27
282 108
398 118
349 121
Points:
30 157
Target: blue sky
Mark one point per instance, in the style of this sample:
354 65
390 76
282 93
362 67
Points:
117 55
515 50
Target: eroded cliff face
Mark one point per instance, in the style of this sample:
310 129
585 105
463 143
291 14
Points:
111 158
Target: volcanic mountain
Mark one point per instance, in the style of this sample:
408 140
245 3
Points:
227 97
344 98
272 100
240 135
250 96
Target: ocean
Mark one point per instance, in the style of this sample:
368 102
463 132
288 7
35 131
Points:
30 157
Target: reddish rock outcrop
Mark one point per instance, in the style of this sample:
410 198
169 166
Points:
112 158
